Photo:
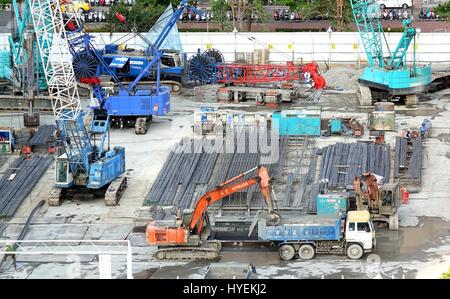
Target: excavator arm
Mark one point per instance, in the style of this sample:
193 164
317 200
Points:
226 189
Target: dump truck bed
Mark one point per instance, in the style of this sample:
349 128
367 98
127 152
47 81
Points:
305 228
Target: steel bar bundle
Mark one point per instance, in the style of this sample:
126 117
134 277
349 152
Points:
19 180
190 171
341 163
43 136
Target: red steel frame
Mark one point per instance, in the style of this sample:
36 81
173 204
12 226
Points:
255 74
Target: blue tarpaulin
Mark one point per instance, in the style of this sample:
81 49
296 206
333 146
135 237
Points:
172 40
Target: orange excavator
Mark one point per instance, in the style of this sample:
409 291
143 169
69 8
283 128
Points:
187 236
381 201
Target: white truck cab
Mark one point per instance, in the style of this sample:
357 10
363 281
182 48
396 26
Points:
359 233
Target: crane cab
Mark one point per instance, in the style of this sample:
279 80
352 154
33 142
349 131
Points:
64 178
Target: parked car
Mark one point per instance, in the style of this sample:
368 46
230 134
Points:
76 7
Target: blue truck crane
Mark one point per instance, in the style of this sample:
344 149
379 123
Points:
88 165
133 62
125 105
389 77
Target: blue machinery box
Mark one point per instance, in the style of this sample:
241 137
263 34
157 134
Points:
304 122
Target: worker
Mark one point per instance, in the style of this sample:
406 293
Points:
9 248
425 129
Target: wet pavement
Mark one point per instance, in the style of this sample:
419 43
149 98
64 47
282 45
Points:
399 254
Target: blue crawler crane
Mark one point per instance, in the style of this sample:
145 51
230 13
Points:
88 167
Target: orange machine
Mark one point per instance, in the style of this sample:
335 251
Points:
189 233
381 201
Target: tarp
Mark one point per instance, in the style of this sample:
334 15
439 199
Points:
173 40
118 62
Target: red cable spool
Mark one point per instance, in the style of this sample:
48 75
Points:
90 81
120 17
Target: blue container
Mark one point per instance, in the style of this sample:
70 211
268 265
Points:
5 65
297 122
305 228
331 204
336 125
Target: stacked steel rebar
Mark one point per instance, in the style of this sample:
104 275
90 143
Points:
19 180
408 159
341 163
43 136
190 171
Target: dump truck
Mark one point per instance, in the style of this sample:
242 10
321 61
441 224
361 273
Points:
308 235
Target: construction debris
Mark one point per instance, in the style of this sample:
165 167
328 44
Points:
19 180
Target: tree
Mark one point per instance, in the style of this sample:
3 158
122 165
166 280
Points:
243 10
220 8
443 9
3 3
141 16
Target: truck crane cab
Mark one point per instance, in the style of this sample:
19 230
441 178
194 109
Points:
64 178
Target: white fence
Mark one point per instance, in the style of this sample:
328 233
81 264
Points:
317 46
73 249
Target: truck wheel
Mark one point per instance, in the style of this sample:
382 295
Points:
355 252
306 252
287 252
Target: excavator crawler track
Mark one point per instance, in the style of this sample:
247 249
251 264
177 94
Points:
115 191
209 252
175 87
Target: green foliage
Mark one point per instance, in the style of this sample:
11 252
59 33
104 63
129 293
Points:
443 9
3 3
219 9
141 16
446 275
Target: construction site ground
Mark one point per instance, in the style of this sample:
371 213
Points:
419 250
